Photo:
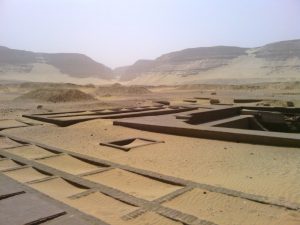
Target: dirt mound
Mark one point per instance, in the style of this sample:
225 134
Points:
57 95
118 89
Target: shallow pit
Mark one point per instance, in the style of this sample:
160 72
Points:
7 143
133 184
69 164
6 164
103 207
129 143
31 152
58 188
26 174
7 123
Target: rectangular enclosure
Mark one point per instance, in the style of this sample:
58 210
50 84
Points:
127 144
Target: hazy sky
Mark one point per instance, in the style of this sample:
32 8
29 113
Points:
119 32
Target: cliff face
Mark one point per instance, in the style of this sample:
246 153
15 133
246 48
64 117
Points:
72 64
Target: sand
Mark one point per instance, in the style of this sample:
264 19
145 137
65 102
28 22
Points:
26 174
104 207
30 152
10 123
133 184
7 143
136 142
272 172
68 164
227 210
57 188
150 218
248 168
8 164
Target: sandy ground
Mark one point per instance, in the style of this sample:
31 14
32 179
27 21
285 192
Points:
238 166
25 175
268 171
228 210
57 188
30 152
7 143
68 164
133 184
104 207
8 164
152 218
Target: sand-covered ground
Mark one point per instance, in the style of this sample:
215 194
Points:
269 171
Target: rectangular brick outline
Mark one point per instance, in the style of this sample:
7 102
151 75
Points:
119 195
152 205
146 111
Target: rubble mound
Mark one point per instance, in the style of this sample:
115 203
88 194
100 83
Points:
57 95
118 89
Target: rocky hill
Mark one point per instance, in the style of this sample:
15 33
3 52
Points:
277 61
18 62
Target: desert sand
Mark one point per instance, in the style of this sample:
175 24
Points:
26 174
269 171
57 188
133 184
104 207
223 209
68 164
6 164
30 152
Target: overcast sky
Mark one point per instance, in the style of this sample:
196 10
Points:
119 32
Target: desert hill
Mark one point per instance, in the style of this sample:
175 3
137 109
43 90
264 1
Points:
278 61
25 63
275 62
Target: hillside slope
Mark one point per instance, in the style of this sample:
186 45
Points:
278 61
25 64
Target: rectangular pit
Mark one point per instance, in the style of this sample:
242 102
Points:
26 174
133 184
103 207
58 188
8 143
30 152
129 143
7 164
69 164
